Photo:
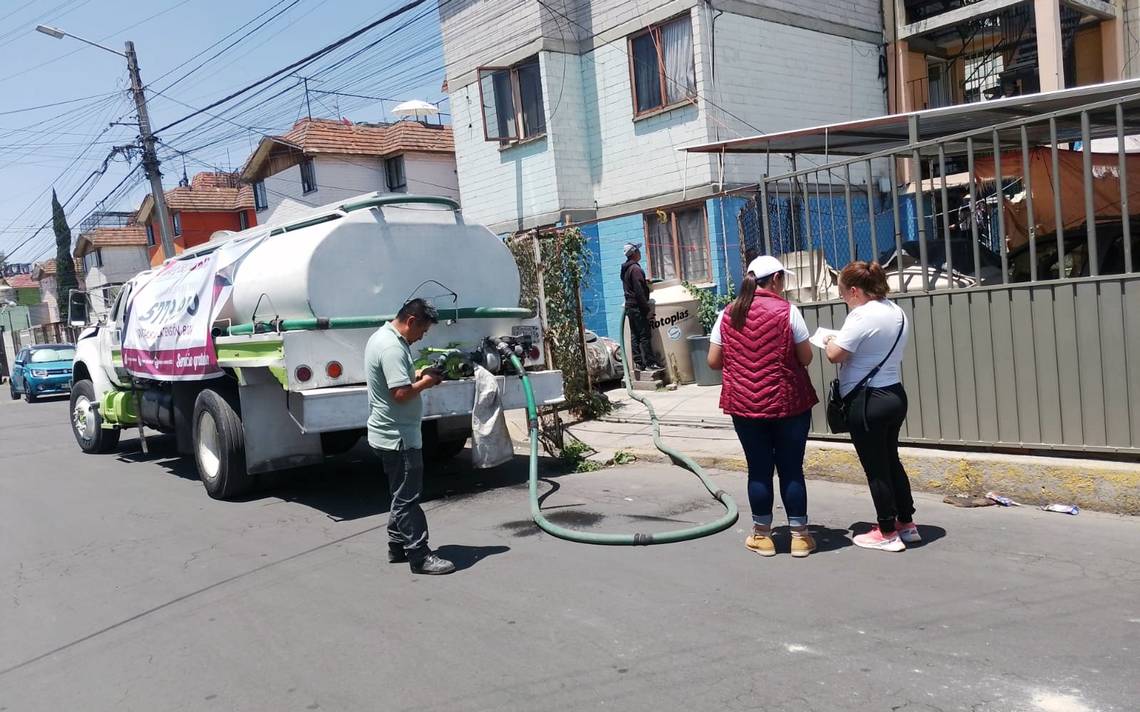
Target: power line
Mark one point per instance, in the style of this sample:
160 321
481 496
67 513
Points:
56 103
301 62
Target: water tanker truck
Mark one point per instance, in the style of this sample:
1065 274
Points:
249 349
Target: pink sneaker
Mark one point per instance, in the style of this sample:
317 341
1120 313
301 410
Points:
875 539
908 532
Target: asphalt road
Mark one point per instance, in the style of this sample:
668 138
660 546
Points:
125 587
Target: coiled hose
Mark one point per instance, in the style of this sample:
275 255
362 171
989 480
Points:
679 458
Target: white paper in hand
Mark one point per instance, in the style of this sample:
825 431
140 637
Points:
819 338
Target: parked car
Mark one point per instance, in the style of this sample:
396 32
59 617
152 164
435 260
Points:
40 370
962 252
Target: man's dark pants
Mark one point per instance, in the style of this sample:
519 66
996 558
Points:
639 334
407 524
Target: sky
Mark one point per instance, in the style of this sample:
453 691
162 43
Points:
191 53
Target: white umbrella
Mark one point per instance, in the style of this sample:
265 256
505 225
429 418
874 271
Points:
415 107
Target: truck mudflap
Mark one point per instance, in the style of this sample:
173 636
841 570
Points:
346 407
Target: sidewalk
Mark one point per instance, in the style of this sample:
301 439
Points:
691 421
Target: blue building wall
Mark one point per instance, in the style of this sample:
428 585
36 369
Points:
724 240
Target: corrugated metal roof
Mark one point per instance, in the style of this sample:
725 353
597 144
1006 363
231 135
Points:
865 136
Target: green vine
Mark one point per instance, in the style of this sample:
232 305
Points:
565 266
710 303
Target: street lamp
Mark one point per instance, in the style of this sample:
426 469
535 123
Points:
150 156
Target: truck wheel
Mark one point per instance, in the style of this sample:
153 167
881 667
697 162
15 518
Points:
219 447
87 423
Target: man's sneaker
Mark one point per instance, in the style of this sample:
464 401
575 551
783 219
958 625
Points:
875 539
760 541
432 565
802 544
396 554
908 532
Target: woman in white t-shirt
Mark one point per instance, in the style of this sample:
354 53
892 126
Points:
869 350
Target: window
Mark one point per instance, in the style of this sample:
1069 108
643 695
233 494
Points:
512 102
177 217
394 167
678 244
150 241
93 259
260 199
308 177
243 221
661 66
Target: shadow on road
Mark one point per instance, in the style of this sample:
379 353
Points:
464 557
350 486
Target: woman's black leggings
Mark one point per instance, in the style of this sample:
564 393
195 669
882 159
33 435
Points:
875 433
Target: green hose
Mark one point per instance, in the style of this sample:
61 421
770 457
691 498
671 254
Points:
680 459
366 322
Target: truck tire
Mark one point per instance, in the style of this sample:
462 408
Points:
219 446
87 422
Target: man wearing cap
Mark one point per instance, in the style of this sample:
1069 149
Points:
637 308
394 431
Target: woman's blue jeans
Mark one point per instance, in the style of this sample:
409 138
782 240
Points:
775 444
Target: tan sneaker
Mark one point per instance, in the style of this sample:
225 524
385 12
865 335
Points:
761 542
802 544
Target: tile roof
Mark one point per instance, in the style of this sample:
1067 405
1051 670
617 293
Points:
127 236
328 136
22 281
207 193
47 268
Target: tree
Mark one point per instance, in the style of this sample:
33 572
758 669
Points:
64 265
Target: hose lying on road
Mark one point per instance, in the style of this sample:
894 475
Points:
680 459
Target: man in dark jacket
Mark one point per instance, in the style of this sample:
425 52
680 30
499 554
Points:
637 308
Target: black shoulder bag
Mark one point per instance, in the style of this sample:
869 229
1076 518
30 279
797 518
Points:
839 406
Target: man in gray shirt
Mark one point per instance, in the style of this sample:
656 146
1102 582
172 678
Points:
395 417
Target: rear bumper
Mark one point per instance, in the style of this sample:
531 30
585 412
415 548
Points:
346 408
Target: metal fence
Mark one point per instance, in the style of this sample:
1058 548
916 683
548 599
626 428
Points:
1011 249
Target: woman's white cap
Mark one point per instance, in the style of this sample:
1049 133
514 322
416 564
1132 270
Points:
766 266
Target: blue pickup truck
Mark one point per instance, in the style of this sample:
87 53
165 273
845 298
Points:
41 370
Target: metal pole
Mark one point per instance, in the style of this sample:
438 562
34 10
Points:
308 106
150 157
540 283
973 208
765 226
1059 224
807 234
871 215
1027 185
1125 214
850 219
1090 208
1000 209
893 161
948 257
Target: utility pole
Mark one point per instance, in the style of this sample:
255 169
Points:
308 107
150 157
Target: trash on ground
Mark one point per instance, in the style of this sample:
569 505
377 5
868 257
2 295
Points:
1062 508
1001 499
967 500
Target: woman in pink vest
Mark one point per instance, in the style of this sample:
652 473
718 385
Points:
761 343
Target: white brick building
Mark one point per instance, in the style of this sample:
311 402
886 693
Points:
575 110
321 161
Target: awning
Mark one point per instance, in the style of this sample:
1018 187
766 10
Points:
864 136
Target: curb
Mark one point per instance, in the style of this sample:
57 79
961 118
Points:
1031 480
